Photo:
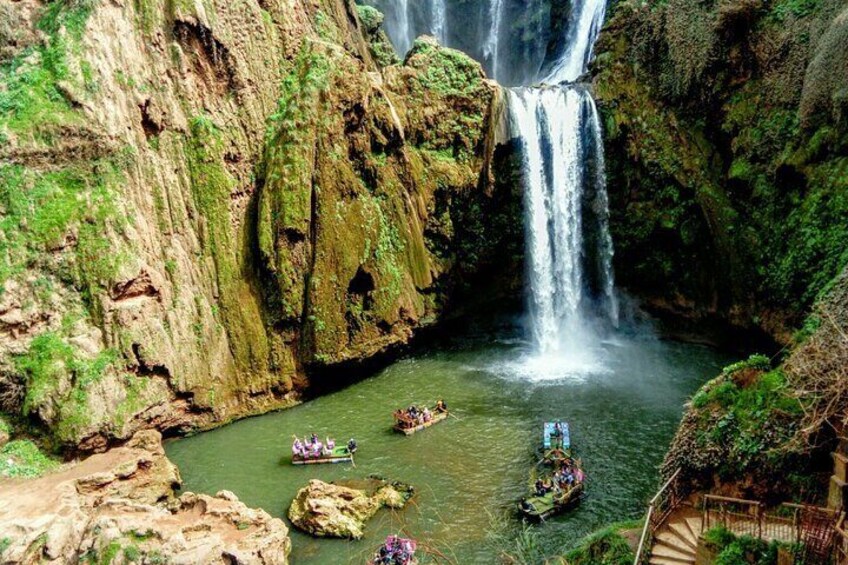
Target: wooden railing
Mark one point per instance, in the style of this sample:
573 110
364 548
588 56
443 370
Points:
840 544
666 501
818 530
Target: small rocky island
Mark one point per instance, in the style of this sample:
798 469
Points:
330 510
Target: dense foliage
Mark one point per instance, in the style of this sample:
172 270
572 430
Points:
727 130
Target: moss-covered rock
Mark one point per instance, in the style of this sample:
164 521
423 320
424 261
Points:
767 433
201 201
727 153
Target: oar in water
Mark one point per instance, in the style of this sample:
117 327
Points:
352 462
455 416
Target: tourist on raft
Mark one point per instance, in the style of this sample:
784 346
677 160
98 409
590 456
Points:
298 448
542 488
312 447
396 551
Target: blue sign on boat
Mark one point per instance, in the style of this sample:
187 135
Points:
549 433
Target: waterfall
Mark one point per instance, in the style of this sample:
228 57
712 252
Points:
582 30
548 122
565 198
438 21
402 41
492 44
569 251
560 132
604 251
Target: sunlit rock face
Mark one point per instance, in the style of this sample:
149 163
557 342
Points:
220 198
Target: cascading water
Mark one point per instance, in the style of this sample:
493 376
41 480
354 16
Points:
438 21
492 44
582 30
565 198
569 249
403 40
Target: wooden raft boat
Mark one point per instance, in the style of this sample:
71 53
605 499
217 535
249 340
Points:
556 455
539 508
409 427
340 454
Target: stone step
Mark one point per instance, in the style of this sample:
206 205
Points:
695 526
682 530
674 554
674 541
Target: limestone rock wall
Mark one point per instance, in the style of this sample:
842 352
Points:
727 143
201 200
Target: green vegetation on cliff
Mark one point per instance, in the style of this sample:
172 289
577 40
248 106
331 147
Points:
730 549
610 545
727 144
33 103
40 209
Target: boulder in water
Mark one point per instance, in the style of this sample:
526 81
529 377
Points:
331 510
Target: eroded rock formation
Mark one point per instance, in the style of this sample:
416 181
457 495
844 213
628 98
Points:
204 200
329 510
120 506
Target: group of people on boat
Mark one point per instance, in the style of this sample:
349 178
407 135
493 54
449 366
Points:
414 415
396 551
312 446
562 480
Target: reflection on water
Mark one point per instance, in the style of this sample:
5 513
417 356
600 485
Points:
475 464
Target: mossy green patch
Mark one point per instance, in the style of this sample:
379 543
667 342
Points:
51 365
43 208
605 547
750 414
447 72
730 549
212 186
31 102
370 17
23 458
285 205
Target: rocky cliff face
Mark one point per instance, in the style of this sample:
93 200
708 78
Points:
728 152
203 200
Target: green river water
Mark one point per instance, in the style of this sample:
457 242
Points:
623 403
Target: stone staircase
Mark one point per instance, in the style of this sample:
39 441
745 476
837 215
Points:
676 542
